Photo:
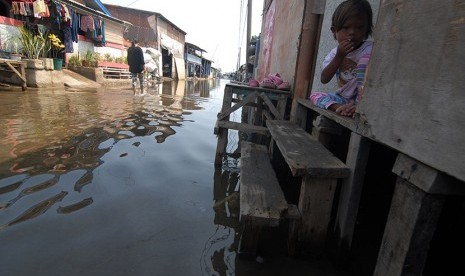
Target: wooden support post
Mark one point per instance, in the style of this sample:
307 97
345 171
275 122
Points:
315 203
281 106
415 209
323 128
223 132
299 115
349 200
258 112
249 238
23 79
409 229
295 218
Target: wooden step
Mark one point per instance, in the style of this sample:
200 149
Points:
319 170
304 154
261 198
262 202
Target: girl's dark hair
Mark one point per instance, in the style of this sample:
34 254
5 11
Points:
351 8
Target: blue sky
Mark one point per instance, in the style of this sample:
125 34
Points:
214 25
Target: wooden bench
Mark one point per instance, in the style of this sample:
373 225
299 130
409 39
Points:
262 202
325 125
319 169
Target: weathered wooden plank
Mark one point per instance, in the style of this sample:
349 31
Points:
345 121
303 154
414 104
315 204
250 98
15 71
243 127
409 229
295 218
273 94
248 243
262 201
270 105
351 192
426 178
223 132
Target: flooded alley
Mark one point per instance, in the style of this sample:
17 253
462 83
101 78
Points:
105 183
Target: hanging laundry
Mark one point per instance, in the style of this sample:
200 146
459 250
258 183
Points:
87 23
29 9
75 22
58 13
22 9
39 7
99 33
67 39
66 14
15 8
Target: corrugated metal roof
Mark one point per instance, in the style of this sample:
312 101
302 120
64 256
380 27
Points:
97 5
148 12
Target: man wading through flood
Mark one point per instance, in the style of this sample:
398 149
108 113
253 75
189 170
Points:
136 65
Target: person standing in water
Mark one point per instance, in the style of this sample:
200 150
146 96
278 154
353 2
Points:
136 65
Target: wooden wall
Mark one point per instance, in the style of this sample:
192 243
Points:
280 38
414 99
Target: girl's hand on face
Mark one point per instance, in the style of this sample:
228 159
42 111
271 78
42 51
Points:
345 47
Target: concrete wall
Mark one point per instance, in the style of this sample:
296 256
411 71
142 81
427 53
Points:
95 74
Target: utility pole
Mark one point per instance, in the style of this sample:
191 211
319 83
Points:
249 28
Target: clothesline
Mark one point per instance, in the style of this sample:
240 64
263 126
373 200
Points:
86 11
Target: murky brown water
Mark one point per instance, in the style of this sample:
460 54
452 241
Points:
105 183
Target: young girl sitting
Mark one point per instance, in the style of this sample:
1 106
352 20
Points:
352 24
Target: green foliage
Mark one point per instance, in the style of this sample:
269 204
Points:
34 46
91 59
74 61
119 60
108 57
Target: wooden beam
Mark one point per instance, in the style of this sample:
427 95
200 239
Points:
15 71
243 127
349 199
315 204
250 98
409 229
426 178
270 105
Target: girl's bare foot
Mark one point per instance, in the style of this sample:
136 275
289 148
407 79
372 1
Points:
346 110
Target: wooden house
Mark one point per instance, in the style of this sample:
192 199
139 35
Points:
401 209
196 64
111 27
154 30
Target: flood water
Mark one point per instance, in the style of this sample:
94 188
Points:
105 183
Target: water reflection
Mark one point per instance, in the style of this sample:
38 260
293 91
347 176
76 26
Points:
51 140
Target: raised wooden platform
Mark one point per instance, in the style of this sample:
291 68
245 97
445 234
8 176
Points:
15 67
260 103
